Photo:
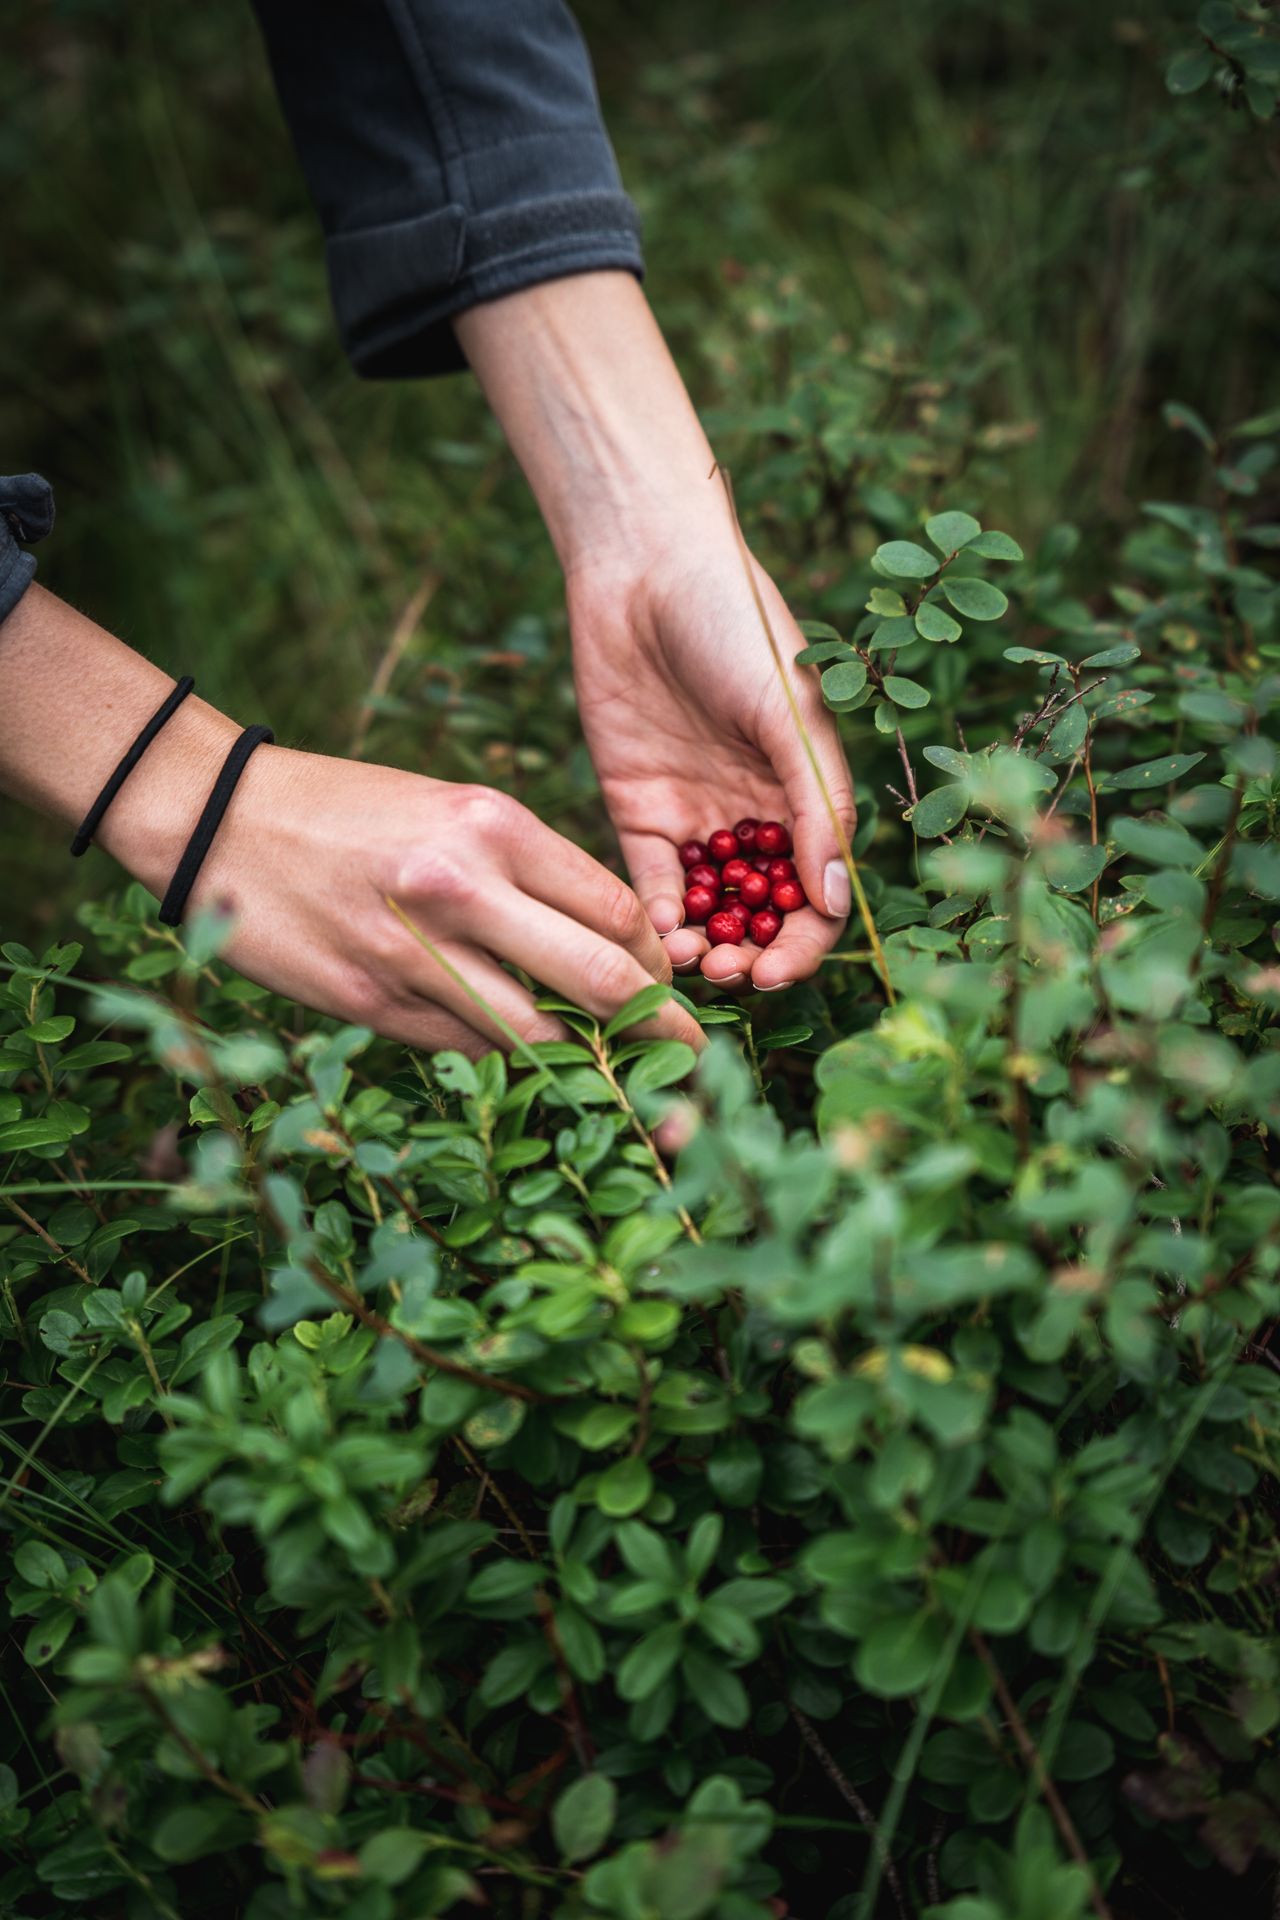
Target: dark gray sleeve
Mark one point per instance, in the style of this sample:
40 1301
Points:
455 152
26 513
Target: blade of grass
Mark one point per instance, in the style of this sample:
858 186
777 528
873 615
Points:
837 827
519 1046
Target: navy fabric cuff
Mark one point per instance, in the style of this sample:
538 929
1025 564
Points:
396 287
26 513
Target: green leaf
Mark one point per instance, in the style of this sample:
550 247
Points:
647 1665
991 545
189 1833
582 1818
1155 773
396 1853
906 561
48 1032
1183 418
1072 868
1033 656
905 693
1188 71
823 650
935 623
951 531
844 681
47 1636
1083 1752
666 1062
937 812
716 1689
40 1565
639 1007
885 602
1118 656
21 1134
901 1655
624 1488
975 599
1159 842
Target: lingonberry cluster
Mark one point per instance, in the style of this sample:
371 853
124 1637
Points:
740 882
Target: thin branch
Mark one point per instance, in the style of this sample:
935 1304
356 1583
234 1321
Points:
42 1233
401 634
1039 1773
852 1798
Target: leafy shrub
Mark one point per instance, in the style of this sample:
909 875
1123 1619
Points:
418 1494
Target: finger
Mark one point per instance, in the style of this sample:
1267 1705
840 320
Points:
685 947
417 1023
559 874
730 967
823 873
796 952
472 987
657 876
594 973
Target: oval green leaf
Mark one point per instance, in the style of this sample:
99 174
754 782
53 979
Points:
904 560
975 599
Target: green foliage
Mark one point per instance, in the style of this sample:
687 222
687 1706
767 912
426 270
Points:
415 1493
416 1489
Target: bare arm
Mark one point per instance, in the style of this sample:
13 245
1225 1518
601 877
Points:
685 714
311 847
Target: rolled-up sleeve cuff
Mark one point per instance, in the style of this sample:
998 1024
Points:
396 287
26 513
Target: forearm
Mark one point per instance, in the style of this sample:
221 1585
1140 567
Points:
72 698
580 377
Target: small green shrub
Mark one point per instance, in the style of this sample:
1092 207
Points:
417 1494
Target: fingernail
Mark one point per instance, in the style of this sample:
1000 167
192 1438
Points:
666 917
778 986
835 889
683 966
727 979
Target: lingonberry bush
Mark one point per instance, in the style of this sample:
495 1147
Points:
421 1496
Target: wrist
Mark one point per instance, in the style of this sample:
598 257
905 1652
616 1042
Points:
591 402
153 816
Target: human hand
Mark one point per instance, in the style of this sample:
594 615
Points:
690 728
685 711
311 850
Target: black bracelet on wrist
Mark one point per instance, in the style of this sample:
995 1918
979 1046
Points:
184 878
93 819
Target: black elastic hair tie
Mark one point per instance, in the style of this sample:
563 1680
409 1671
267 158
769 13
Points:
93 819
175 900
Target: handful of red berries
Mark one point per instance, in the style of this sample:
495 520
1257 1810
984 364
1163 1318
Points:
741 882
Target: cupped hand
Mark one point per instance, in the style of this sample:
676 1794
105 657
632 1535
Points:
690 728
312 848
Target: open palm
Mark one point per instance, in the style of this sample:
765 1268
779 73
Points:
689 727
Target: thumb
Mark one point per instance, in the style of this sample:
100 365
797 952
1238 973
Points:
823 873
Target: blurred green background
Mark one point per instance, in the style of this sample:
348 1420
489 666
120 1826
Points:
861 219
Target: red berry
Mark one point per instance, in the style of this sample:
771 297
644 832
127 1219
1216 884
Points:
772 837
781 869
754 889
746 832
705 875
734 872
765 926
736 907
725 930
722 844
700 903
787 895
692 853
